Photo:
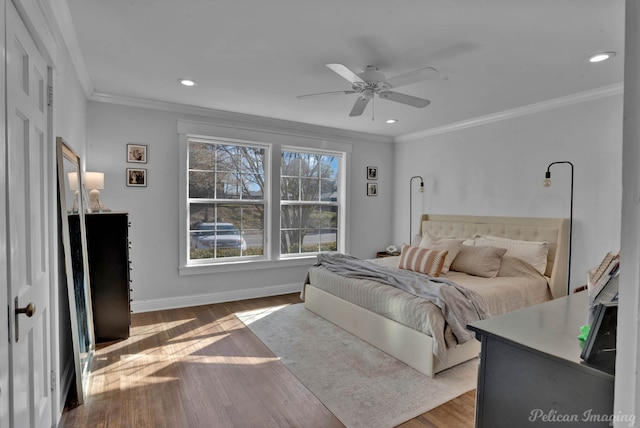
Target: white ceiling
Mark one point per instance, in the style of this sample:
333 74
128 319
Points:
255 56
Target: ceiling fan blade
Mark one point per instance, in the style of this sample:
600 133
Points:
301 97
359 106
346 73
404 99
411 77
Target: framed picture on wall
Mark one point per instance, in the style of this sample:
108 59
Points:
136 177
372 189
136 153
372 173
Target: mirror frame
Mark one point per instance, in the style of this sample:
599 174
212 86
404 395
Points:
82 360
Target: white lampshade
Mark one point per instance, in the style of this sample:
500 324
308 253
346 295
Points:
73 180
94 180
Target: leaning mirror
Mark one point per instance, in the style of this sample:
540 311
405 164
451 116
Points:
72 202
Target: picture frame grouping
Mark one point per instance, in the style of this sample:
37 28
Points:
372 174
136 153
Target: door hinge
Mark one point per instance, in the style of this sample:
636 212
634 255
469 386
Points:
50 96
53 380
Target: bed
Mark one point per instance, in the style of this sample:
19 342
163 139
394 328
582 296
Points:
414 330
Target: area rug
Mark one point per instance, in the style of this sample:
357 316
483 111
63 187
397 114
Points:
361 385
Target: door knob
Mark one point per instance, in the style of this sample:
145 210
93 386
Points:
28 310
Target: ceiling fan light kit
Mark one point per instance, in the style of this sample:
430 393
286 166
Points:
371 81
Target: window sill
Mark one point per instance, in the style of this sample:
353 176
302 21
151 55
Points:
246 265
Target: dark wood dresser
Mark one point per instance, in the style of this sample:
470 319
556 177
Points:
109 273
531 374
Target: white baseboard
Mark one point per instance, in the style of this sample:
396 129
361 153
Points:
207 299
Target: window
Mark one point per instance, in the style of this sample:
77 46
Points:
255 199
309 203
226 200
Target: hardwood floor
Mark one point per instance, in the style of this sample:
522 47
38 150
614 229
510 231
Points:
200 367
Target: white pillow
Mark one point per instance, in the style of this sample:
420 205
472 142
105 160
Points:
534 253
451 245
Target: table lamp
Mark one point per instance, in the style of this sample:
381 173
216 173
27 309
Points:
94 182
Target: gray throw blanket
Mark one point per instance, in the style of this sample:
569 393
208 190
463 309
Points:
460 306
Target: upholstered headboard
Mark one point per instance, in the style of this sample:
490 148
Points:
555 231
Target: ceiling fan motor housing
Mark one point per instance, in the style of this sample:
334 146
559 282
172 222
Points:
371 75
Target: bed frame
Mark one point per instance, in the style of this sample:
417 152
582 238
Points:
415 348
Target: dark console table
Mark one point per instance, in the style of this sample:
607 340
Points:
531 374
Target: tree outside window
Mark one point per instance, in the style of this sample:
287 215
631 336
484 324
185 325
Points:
228 184
308 202
226 200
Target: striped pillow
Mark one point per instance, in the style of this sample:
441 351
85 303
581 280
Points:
422 260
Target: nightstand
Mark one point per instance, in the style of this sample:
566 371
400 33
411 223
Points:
381 254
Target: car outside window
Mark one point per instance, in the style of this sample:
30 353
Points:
258 202
226 200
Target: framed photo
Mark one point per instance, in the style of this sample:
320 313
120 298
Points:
136 177
136 153
372 173
372 189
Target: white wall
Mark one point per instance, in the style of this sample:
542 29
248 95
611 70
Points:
154 209
69 122
497 169
70 106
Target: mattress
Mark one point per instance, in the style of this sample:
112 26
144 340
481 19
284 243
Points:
518 286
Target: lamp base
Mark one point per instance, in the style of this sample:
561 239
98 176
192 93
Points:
95 206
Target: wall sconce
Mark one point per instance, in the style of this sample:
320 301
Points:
410 203
94 182
547 183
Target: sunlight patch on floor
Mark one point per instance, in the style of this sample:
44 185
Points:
249 317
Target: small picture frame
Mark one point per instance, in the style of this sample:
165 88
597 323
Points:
136 153
372 189
372 173
136 177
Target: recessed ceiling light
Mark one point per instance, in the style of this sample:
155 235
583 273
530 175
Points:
187 82
602 56
390 121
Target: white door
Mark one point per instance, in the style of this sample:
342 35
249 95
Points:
4 291
28 221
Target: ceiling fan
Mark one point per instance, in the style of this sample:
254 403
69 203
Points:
371 82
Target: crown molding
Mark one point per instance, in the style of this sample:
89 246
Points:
242 120
66 31
581 97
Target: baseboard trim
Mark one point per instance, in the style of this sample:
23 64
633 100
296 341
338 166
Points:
211 298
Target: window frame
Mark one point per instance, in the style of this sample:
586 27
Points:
339 203
276 139
240 201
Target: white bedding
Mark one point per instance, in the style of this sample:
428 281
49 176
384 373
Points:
517 286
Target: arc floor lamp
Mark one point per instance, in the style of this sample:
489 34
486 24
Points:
410 204
547 183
